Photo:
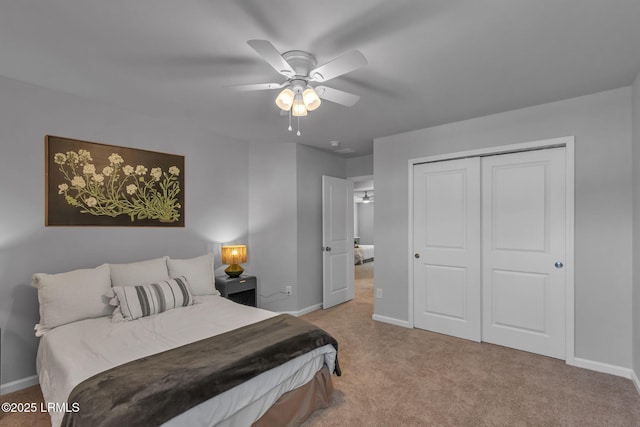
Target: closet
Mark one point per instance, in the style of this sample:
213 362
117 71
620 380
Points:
489 249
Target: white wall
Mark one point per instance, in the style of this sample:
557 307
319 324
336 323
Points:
601 124
215 212
636 225
311 165
273 223
365 223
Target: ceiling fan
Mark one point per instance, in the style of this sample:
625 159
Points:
364 199
300 69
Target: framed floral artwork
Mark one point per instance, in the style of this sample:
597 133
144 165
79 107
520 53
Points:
88 183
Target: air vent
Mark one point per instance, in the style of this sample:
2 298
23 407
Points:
345 151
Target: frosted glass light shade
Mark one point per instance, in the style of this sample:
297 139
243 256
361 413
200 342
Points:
298 109
311 99
284 100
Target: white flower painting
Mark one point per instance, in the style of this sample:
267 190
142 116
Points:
115 185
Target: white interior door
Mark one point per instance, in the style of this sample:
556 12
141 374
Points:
446 266
523 211
337 241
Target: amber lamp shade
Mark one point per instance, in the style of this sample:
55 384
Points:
233 256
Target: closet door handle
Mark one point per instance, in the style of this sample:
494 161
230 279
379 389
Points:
559 264
417 255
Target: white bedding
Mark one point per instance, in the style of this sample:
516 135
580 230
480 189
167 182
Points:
69 354
363 253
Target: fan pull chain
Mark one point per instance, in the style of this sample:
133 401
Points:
289 120
298 126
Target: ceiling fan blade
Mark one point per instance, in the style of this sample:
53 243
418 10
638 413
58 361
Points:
339 97
270 54
341 65
258 86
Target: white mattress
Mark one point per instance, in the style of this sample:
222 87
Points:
363 253
69 354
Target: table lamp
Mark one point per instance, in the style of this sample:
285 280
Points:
234 255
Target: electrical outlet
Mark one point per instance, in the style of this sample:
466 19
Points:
287 290
379 293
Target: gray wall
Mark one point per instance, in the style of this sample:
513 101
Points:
601 124
285 222
311 165
215 212
636 225
272 223
365 222
359 166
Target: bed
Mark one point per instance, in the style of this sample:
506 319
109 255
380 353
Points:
74 354
363 253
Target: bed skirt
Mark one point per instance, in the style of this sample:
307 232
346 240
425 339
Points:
295 406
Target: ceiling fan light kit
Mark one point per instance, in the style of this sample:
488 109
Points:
299 68
298 98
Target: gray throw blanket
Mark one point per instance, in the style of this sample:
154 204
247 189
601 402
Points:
154 389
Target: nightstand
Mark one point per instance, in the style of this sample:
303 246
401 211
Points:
239 289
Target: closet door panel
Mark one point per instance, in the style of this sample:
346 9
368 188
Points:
447 247
523 237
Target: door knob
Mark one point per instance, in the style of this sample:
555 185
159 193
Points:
417 255
328 249
559 264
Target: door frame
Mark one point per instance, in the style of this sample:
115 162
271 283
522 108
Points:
569 143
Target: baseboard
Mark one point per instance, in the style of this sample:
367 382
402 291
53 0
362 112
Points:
18 384
636 381
618 371
392 321
303 311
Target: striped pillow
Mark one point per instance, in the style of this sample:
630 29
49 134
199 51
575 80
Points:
133 302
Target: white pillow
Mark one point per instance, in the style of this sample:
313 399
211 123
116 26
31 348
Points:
139 273
198 271
72 296
133 302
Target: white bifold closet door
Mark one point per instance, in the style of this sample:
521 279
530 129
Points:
489 243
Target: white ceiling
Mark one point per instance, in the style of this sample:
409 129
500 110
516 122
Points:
430 62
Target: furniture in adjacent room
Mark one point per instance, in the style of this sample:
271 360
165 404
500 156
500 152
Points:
363 253
240 289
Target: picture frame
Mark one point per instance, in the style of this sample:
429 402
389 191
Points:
95 184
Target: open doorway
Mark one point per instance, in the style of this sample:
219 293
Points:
364 247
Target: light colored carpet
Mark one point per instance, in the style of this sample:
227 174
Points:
394 376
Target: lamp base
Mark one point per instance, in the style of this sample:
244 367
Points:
234 270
